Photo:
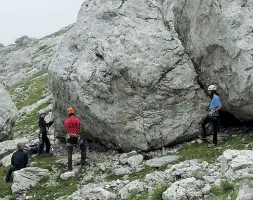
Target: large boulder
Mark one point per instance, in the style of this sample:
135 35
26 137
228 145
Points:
125 71
218 37
8 115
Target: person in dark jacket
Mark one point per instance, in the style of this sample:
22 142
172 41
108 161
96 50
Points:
43 139
19 160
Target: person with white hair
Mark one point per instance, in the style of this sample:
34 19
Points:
43 139
213 114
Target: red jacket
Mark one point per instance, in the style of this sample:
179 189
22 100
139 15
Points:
72 125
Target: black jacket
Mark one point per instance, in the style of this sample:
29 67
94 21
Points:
19 159
43 126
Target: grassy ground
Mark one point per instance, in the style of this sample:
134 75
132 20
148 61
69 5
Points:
26 93
5 188
230 141
30 90
189 151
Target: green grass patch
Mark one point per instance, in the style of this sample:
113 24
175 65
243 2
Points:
201 151
46 162
5 187
223 191
31 90
29 123
62 188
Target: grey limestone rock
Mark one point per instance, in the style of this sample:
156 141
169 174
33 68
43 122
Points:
9 146
125 71
161 161
92 192
236 163
185 189
132 188
246 191
26 178
218 37
8 114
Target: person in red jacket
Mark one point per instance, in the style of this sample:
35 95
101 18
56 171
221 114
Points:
73 126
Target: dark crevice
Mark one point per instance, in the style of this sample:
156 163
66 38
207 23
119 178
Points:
122 3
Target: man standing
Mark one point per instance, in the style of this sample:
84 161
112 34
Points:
73 125
213 115
43 139
19 160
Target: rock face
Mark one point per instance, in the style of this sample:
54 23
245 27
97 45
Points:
27 177
124 70
218 37
8 115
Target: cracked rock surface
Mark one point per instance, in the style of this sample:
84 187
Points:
125 71
218 37
8 115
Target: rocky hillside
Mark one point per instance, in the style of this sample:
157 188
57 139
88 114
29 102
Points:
23 72
135 71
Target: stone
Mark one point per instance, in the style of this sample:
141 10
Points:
123 158
245 191
22 40
132 83
122 171
26 178
188 169
68 175
132 188
8 115
92 191
7 160
162 161
1 45
9 146
236 163
206 190
154 177
199 141
135 161
185 189
209 179
217 35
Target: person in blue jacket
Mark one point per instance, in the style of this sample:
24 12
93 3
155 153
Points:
213 115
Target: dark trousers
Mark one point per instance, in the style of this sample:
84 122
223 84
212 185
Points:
70 143
214 121
44 140
11 169
8 175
